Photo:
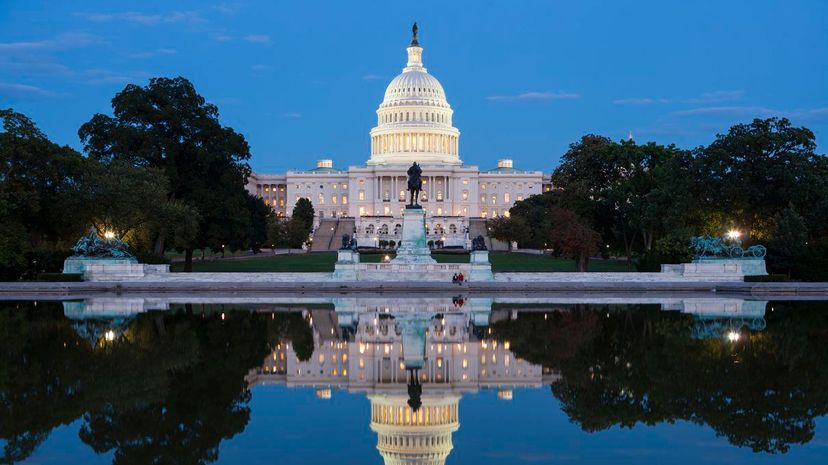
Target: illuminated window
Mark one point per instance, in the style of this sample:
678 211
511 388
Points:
333 199
361 211
506 198
494 199
361 195
465 195
321 199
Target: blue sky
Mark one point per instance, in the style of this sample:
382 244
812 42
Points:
302 80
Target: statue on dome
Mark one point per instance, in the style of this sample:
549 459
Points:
415 184
414 30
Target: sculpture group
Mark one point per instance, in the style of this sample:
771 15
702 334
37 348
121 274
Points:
710 247
92 245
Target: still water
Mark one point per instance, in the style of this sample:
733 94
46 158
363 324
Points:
413 380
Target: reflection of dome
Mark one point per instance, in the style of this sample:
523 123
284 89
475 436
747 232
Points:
408 437
414 120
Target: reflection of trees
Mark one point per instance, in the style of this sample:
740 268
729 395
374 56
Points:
641 365
169 389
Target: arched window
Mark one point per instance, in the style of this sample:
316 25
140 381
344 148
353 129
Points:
383 229
452 229
397 229
438 229
370 229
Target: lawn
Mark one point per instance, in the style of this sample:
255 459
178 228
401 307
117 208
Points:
324 261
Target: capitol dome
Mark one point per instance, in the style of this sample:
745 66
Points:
414 120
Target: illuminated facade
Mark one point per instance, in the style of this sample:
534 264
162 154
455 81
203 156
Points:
414 123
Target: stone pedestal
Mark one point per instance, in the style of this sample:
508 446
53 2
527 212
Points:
345 267
413 247
732 269
480 268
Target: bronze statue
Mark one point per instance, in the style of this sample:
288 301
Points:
414 30
92 245
415 184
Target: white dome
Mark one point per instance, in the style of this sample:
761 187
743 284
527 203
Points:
414 120
415 87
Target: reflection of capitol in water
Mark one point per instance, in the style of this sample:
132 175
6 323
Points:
365 346
376 345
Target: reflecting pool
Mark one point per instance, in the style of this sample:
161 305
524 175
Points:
413 380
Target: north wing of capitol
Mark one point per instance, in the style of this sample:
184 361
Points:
414 124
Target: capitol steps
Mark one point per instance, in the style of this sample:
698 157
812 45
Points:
328 235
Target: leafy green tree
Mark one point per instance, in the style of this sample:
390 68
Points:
167 125
277 231
788 240
534 211
508 229
260 214
303 211
573 238
757 169
37 184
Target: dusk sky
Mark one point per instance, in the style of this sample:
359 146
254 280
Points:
302 80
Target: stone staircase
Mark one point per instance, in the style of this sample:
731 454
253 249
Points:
328 235
477 227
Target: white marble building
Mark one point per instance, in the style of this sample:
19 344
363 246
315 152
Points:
414 123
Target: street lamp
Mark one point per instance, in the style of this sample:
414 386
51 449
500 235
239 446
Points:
109 235
733 336
733 234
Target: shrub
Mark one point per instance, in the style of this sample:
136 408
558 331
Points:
151 258
60 277
771 278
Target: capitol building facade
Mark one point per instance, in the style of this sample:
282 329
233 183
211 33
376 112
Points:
414 124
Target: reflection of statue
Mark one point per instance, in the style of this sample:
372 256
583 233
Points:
479 243
415 184
415 389
91 245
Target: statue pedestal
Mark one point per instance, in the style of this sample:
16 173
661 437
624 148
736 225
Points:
480 269
345 267
413 247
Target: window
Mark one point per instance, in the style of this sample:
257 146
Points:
361 211
344 187
333 199
482 214
321 198
519 198
465 195
494 199
344 200
281 202
387 210
361 195
397 229
452 229
439 196
439 211
267 188
383 229
506 198
483 186
333 186
402 196
370 229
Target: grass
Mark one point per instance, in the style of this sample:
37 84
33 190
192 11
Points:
302 263
324 261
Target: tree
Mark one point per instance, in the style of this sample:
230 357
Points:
508 229
573 237
167 125
37 185
757 169
303 212
277 235
788 240
260 214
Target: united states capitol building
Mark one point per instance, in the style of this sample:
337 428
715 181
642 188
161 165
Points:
414 124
